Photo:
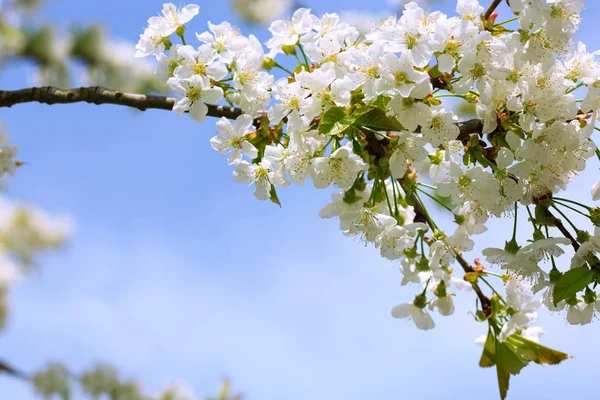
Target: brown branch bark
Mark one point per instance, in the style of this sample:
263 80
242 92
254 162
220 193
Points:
491 8
6 368
99 95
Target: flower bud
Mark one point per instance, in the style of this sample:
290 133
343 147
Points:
180 31
436 158
471 97
590 296
268 63
572 301
595 216
460 219
440 290
289 49
512 247
420 301
583 236
411 253
423 265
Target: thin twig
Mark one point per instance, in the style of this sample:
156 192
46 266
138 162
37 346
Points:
12 371
491 8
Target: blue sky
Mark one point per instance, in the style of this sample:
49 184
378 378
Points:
176 273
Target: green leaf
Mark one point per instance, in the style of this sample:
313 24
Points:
377 119
488 358
274 197
571 283
514 354
532 351
381 102
335 121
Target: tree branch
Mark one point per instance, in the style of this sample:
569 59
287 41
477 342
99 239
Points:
99 95
491 8
9 370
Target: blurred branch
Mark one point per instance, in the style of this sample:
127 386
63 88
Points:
491 8
10 370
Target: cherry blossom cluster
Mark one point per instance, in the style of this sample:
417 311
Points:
365 114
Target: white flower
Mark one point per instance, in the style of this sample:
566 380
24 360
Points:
196 89
580 313
409 111
173 18
441 127
395 239
225 40
596 191
410 148
151 43
520 319
168 63
444 305
232 139
341 167
518 297
287 33
202 61
420 316
259 174
365 223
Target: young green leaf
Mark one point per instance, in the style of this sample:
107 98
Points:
571 282
335 121
376 119
274 197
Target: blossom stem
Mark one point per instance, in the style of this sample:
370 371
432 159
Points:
395 195
565 217
571 208
427 216
597 149
492 273
304 56
573 202
507 21
493 290
426 185
299 60
326 145
580 84
284 68
462 96
387 196
514 236
434 199
531 218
